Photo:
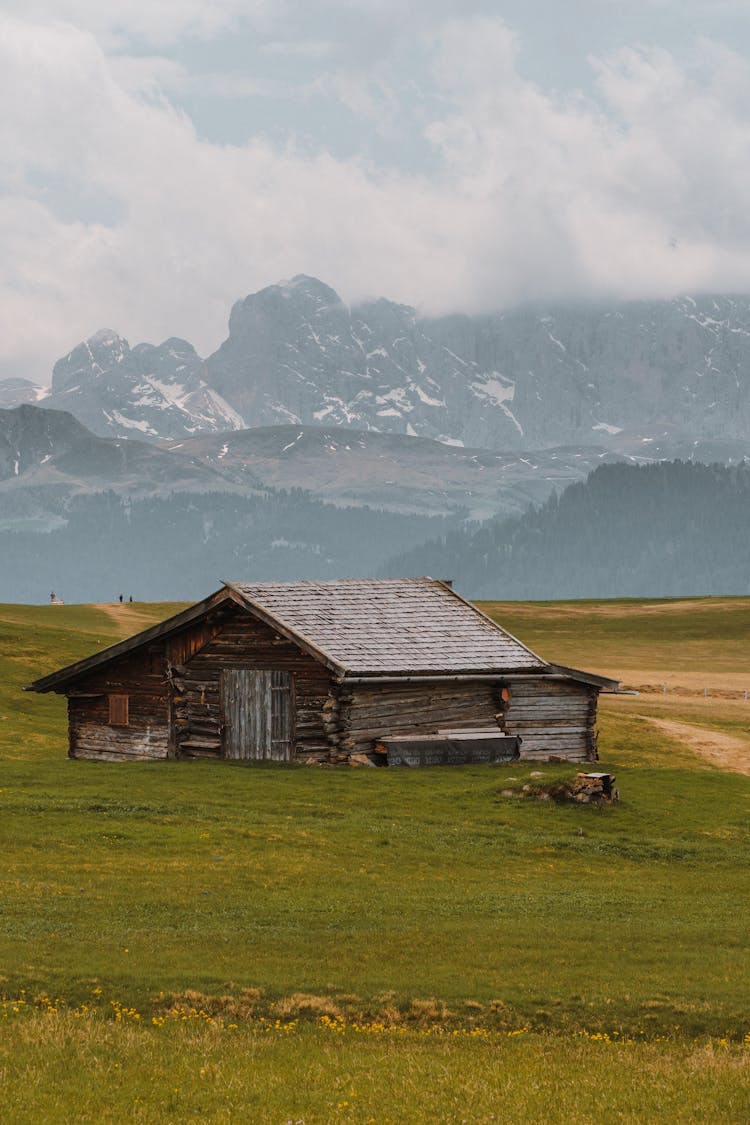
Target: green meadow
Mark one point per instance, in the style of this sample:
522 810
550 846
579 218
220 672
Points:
205 941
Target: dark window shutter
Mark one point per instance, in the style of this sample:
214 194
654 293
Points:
118 710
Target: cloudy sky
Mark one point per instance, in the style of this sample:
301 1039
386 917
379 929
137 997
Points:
161 158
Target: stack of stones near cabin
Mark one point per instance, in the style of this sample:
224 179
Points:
584 789
594 788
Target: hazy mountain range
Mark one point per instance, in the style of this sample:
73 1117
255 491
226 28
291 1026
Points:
92 517
321 440
664 377
89 517
48 456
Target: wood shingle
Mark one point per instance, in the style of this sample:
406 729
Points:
409 626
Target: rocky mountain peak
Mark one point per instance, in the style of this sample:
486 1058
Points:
90 360
149 391
108 341
286 303
302 287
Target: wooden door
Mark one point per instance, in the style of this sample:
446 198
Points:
258 714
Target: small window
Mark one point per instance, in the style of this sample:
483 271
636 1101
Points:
118 710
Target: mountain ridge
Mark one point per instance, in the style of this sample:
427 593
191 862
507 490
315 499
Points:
51 456
625 376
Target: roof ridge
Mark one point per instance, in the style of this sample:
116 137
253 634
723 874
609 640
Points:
409 626
334 581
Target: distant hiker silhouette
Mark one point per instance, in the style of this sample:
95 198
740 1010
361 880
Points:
120 599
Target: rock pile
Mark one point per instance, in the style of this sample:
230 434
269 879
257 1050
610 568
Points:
588 788
584 789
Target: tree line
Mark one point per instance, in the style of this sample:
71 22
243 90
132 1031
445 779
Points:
672 528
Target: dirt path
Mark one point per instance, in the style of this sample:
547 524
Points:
724 750
127 617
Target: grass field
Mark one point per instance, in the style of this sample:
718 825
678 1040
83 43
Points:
443 951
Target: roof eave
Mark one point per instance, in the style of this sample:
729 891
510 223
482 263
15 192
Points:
71 672
365 678
525 672
604 683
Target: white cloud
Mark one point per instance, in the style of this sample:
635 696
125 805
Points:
163 22
115 212
640 196
155 21
149 75
307 48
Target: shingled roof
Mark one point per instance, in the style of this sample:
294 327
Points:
360 627
412 626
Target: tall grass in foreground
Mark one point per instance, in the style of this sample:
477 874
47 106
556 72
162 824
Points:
61 1066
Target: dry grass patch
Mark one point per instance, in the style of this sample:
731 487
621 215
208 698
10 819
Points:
426 1012
304 1004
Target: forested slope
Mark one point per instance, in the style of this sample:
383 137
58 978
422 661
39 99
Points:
673 528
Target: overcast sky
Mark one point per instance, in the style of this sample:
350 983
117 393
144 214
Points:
161 158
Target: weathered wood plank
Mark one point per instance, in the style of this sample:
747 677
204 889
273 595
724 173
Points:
258 719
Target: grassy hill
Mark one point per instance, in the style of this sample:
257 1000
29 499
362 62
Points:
427 948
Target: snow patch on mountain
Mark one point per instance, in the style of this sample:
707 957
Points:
495 389
133 423
428 400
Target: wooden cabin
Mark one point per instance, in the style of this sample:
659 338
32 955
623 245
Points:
327 672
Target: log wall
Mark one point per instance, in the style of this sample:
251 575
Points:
241 641
366 713
555 718
142 678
